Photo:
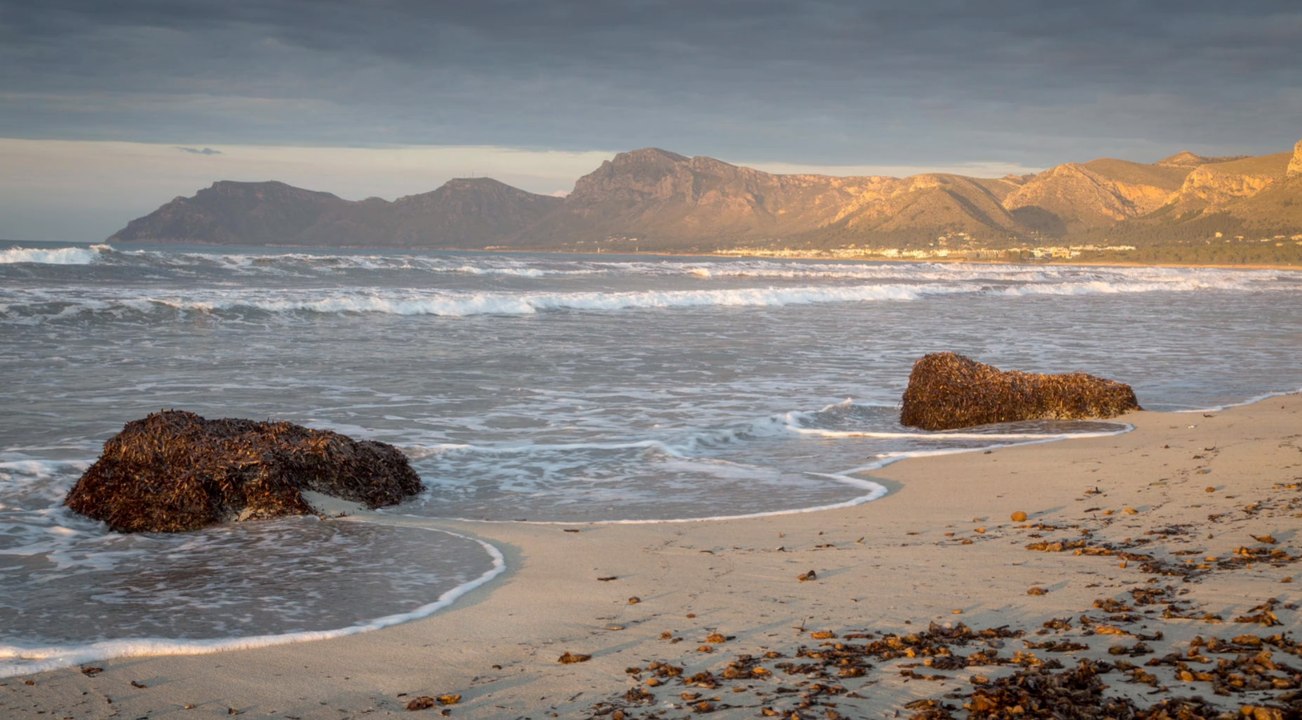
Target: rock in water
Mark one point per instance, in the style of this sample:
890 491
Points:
175 471
947 390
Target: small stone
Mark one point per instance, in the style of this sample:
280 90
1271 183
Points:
449 699
1018 516
424 702
570 658
807 576
1129 510
1037 590
1209 489
634 600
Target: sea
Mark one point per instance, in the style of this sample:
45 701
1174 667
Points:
538 388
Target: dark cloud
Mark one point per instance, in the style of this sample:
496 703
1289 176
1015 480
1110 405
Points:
199 151
813 81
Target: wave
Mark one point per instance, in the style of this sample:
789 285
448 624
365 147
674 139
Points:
327 262
53 256
450 303
36 304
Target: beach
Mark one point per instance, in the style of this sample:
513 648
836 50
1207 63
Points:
1192 516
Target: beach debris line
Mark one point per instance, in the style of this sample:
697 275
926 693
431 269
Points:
947 390
175 471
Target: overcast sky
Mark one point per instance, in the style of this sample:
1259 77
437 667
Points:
109 109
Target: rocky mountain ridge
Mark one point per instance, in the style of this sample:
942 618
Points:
656 200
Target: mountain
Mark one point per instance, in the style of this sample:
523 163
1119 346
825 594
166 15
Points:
467 213
235 213
659 198
1217 184
463 213
656 200
1103 192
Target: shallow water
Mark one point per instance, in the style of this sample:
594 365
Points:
551 388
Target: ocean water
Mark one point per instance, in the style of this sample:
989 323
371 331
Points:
539 388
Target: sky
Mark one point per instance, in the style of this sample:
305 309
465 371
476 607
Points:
110 109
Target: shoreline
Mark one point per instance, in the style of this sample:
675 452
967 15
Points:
800 257
713 591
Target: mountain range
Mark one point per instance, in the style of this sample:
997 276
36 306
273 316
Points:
655 200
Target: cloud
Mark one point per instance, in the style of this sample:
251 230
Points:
199 151
822 81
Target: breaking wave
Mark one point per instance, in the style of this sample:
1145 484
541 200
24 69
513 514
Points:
53 256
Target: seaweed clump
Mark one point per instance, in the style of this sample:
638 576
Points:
175 471
947 390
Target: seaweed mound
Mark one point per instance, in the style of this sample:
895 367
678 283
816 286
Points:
175 471
947 390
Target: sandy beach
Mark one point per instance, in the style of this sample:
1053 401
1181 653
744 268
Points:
1177 542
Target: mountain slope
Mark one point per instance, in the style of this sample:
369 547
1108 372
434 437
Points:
1077 196
260 213
463 213
667 199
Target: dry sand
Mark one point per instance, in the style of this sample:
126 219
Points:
1162 510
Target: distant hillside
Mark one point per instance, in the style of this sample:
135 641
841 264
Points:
662 199
463 213
656 200
1103 192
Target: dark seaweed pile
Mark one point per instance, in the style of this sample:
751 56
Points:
175 471
947 390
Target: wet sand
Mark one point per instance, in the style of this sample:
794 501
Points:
1135 545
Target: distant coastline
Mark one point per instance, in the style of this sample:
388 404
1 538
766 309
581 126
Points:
813 256
1182 210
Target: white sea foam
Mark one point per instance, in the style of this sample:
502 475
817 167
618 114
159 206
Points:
458 304
53 256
